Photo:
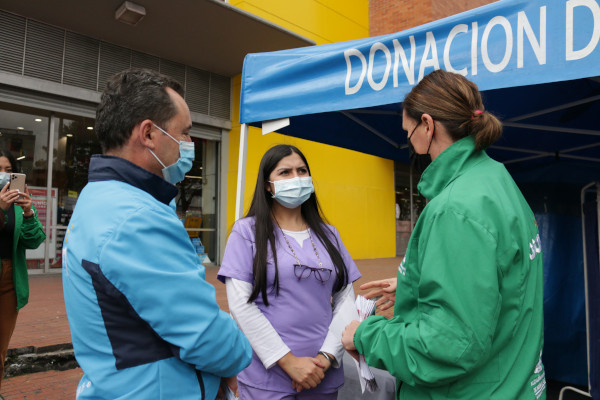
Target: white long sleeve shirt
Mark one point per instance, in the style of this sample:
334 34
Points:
265 341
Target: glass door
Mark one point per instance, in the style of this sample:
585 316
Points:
54 151
24 133
197 199
74 144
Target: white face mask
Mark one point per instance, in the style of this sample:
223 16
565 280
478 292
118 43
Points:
4 179
291 193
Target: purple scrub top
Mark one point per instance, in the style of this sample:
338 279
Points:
302 313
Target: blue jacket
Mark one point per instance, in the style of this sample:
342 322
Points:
145 323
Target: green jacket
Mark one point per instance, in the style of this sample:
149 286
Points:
28 234
468 317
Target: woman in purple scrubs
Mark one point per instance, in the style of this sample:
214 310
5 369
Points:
287 272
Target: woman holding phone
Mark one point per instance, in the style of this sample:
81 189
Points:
287 274
20 229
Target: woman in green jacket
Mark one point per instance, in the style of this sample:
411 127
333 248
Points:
19 230
468 312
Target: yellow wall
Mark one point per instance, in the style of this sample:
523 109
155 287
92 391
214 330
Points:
326 21
356 190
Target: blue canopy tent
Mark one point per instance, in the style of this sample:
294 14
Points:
537 63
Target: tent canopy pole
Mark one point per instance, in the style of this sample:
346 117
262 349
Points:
241 178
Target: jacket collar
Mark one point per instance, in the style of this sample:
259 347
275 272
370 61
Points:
449 165
111 168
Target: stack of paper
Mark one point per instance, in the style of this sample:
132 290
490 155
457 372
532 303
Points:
365 308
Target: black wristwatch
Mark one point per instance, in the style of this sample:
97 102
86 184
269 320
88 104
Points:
327 356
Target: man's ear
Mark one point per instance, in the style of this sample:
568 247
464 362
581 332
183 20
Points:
145 134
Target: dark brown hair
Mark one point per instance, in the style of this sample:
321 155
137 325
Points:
130 97
455 102
11 160
260 208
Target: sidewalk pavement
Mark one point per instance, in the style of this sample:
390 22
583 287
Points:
43 323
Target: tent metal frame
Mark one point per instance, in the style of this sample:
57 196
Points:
591 186
241 177
511 122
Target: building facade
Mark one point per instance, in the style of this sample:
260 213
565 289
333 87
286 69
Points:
56 58
369 202
355 190
389 16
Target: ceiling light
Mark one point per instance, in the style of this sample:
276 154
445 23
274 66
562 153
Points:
20 128
69 135
38 120
90 128
20 158
130 13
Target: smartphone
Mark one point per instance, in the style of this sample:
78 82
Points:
17 181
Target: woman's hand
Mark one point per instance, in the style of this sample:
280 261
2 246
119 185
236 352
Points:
324 361
386 288
8 197
306 372
348 339
24 201
348 335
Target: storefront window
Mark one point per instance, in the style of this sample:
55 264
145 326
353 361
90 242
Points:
24 132
197 199
403 205
74 144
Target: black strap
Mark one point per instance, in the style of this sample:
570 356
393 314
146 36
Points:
201 383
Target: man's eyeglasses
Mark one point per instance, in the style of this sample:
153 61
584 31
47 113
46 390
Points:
303 271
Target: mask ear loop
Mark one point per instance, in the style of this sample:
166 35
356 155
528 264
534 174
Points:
272 193
414 129
151 152
157 159
430 142
165 132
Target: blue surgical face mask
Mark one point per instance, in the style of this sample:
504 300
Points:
4 179
176 172
291 193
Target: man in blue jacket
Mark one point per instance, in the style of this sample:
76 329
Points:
145 323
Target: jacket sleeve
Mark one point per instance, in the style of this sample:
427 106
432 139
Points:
32 232
458 303
151 260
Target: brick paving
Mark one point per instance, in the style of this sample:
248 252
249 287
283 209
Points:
43 322
49 385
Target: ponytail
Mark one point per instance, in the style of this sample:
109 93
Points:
455 102
486 128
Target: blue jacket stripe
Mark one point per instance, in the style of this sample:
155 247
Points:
133 340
